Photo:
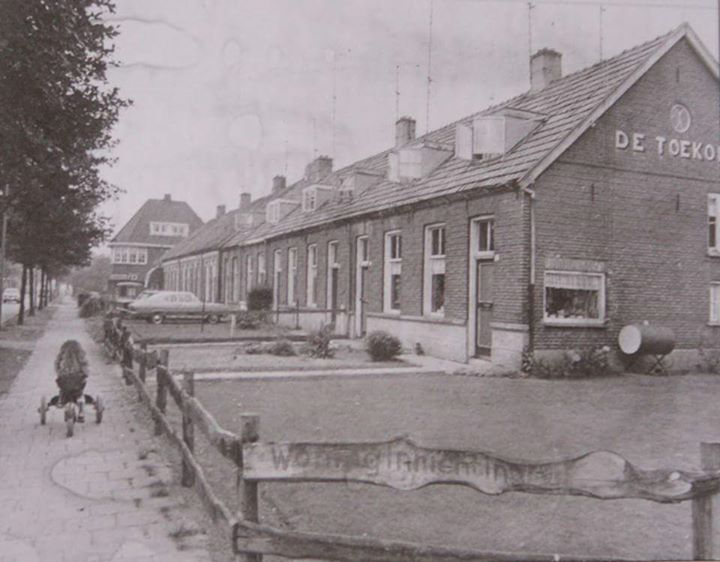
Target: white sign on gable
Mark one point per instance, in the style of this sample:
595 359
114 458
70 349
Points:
680 121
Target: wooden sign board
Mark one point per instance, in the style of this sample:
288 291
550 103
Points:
403 465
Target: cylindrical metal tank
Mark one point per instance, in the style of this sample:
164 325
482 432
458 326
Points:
644 338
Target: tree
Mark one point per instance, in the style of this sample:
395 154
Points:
93 277
56 116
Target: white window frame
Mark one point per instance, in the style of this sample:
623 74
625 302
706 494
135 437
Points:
309 199
277 274
434 264
273 212
392 266
714 316
713 223
249 274
312 271
169 228
487 224
292 276
332 263
579 322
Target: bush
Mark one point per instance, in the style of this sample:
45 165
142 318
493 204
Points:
576 364
318 343
381 346
251 320
260 298
254 349
92 306
82 298
282 348
709 361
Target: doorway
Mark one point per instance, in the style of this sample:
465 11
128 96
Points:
485 271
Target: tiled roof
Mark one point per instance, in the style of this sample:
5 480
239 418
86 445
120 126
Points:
137 229
215 233
569 104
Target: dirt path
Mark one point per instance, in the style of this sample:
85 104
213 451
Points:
104 495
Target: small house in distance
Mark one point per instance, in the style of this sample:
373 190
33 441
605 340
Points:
136 249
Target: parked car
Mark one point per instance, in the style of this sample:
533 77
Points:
161 305
11 294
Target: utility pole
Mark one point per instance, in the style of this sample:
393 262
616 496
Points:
3 244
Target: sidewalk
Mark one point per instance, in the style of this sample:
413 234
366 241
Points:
105 494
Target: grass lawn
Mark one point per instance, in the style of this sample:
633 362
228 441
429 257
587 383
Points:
653 421
176 330
209 358
17 343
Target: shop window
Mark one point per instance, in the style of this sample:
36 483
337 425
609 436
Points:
574 298
715 303
392 272
312 267
434 271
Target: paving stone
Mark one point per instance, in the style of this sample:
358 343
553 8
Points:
88 498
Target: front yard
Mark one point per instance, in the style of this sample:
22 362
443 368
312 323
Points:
654 422
196 331
232 358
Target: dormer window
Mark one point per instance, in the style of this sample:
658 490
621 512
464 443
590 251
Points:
415 162
272 212
315 195
169 229
489 136
309 199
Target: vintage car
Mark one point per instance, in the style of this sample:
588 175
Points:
11 294
162 305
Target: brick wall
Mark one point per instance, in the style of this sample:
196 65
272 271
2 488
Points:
642 215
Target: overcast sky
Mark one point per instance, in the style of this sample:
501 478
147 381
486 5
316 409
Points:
228 93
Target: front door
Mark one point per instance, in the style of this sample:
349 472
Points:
484 307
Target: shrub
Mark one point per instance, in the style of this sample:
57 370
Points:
82 297
576 364
318 343
92 306
260 298
382 346
709 361
254 349
282 348
251 320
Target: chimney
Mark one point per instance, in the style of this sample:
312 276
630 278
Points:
545 66
404 131
167 197
319 169
220 211
245 199
278 184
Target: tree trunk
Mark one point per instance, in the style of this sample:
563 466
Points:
48 290
23 291
31 311
41 289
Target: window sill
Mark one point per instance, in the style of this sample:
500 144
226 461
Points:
714 324
555 323
392 312
713 253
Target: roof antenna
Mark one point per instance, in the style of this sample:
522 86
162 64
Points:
286 157
315 149
334 102
530 43
397 92
429 69
602 11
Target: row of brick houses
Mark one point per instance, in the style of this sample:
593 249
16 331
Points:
547 222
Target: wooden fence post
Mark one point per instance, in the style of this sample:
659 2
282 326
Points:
233 323
142 370
162 371
704 525
248 491
188 475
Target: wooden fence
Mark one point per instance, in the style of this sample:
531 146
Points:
399 464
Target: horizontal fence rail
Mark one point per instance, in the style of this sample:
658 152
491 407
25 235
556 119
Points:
400 464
